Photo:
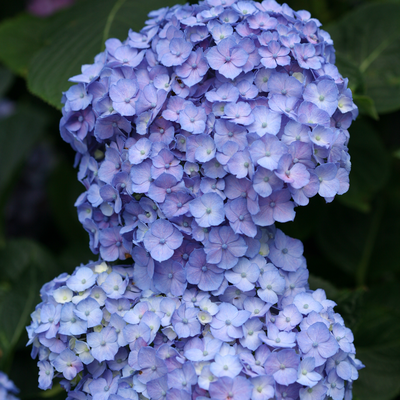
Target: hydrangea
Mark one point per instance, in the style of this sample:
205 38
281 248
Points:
7 388
218 114
193 137
199 329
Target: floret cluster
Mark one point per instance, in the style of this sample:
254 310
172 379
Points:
225 113
266 336
193 138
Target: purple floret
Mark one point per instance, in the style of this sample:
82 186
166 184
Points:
111 245
208 210
68 363
77 98
227 58
226 387
206 276
274 54
317 342
170 277
103 345
177 53
185 322
224 247
227 323
282 365
286 253
162 239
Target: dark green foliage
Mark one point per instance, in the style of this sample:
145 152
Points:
368 40
18 133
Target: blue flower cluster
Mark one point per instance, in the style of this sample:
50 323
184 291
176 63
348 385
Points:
222 114
193 137
7 388
264 336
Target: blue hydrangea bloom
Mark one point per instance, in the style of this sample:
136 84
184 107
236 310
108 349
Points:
193 137
155 343
209 91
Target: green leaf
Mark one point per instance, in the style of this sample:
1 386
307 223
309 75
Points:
17 135
370 166
15 308
369 38
64 189
363 245
366 106
75 254
24 267
356 201
80 38
20 38
18 253
384 259
343 242
377 340
6 80
349 303
350 70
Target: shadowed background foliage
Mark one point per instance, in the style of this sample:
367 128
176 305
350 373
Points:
351 244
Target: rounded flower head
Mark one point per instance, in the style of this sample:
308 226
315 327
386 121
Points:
222 114
208 339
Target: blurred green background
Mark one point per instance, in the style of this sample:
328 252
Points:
352 245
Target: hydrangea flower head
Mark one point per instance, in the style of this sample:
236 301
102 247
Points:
197 328
224 114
